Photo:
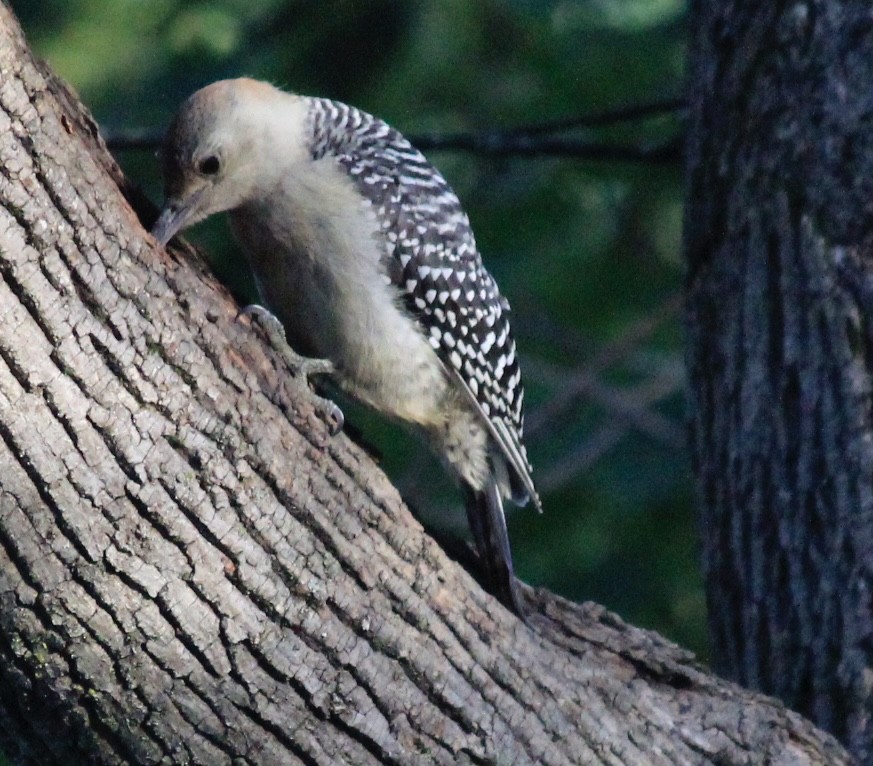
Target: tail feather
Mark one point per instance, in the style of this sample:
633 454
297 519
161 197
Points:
488 524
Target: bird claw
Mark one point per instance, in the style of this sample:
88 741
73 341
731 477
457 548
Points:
300 366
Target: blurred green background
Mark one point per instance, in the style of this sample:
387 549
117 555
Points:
587 250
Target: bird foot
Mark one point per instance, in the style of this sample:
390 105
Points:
300 366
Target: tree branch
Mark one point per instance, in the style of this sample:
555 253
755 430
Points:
529 141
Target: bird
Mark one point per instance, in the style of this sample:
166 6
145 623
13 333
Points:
364 254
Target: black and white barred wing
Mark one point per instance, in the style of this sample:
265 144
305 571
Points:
433 260
466 321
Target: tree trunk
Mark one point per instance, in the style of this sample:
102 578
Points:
780 296
193 571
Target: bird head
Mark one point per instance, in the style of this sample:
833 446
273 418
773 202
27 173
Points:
224 147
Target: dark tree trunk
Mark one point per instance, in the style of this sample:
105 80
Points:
193 571
780 300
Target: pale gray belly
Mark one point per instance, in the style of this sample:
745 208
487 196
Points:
346 313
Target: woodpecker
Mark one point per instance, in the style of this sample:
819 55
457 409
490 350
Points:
363 252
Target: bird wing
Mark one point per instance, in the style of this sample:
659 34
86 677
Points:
431 257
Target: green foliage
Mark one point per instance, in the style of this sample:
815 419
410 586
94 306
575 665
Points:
583 249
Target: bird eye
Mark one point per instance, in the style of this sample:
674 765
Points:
209 166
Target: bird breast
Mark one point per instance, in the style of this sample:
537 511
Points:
317 254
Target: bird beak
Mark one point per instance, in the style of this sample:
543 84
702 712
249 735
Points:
175 216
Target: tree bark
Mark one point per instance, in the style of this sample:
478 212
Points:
780 296
192 570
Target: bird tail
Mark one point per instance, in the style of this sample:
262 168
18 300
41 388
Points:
488 524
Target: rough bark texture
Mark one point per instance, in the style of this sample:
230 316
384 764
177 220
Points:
780 298
193 571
